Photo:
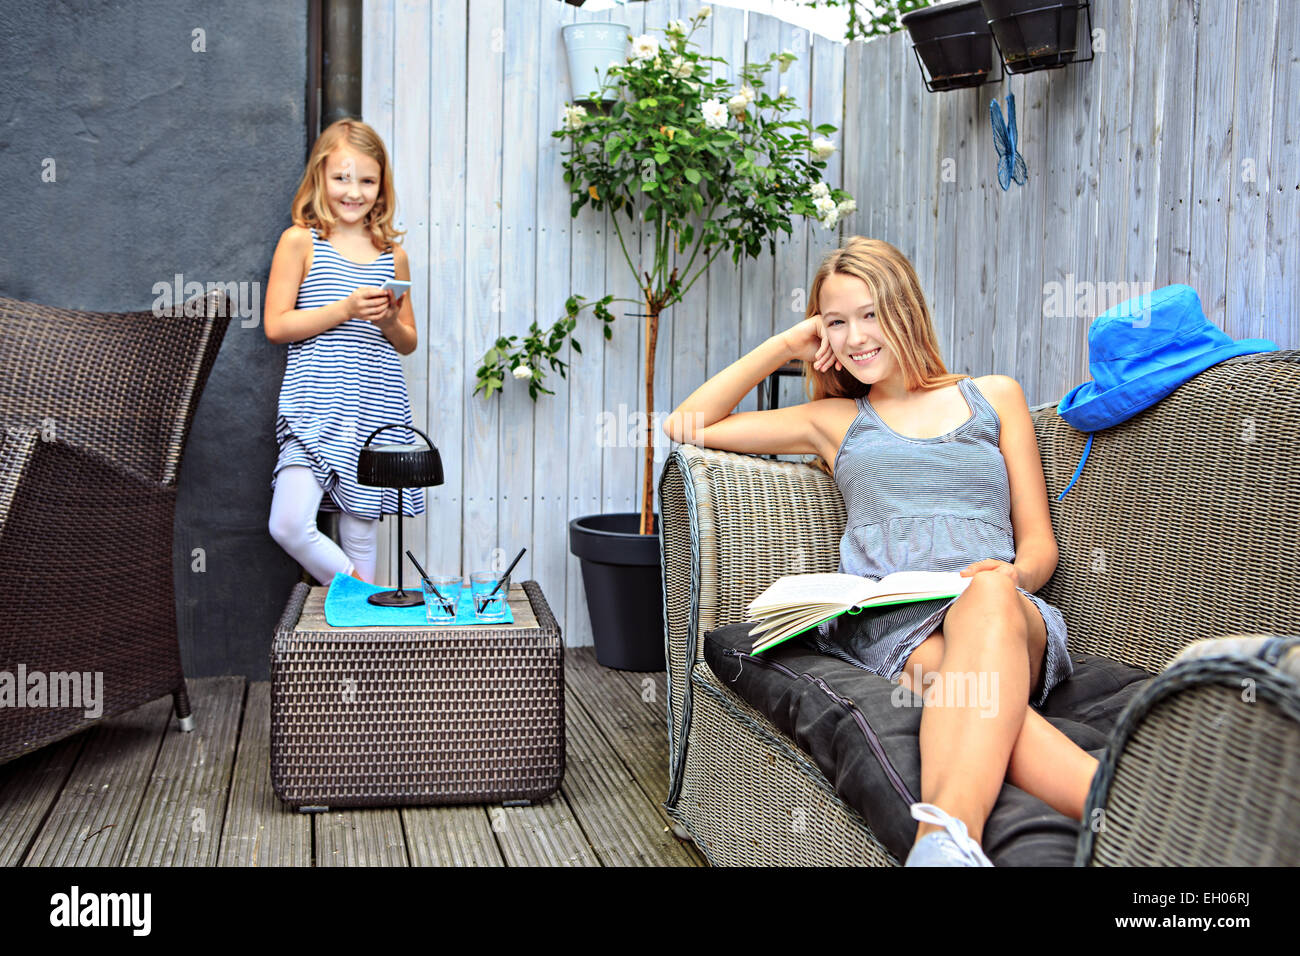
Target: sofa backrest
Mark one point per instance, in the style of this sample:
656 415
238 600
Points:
125 385
1180 525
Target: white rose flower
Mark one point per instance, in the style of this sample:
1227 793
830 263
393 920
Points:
681 68
847 205
522 371
830 219
693 85
704 12
573 116
737 104
824 205
715 114
823 147
819 190
748 93
645 47
676 26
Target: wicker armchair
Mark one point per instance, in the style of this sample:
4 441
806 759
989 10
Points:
1175 556
96 409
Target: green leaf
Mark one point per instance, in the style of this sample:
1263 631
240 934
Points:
692 175
649 185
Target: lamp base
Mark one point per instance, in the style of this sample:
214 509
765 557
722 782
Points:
398 598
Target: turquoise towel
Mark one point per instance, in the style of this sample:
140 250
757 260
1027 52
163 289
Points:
346 606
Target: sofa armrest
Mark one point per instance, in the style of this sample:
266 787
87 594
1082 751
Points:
1204 765
729 526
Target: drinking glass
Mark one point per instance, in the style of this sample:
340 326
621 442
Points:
441 611
489 608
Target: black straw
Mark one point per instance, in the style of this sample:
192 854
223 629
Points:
444 601
508 570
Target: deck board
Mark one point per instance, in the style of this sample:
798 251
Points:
133 790
91 822
257 830
180 818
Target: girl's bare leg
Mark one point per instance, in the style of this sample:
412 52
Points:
970 740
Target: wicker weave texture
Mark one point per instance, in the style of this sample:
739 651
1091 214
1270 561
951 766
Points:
96 409
416 716
123 384
1204 768
1179 527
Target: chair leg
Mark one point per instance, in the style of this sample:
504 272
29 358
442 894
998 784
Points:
181 697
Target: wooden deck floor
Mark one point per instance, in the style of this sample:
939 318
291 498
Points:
133 791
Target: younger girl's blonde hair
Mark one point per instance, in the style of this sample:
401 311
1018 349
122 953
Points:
310 208
900 308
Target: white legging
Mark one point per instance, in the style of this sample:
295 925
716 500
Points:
294 504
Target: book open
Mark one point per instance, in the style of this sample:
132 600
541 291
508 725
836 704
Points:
799 602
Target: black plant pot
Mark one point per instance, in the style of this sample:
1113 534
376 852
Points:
621 573
1034 34
953 42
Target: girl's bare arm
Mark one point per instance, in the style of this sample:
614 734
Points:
706 417
281 321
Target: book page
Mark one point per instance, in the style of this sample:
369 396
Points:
808 589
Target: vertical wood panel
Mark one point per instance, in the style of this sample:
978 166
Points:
1212 159
519 49
723 342
589 270
552 234
1247 195
1178 124
1032 118
683 332
482 265
758 274
409 154
1282 259
447 352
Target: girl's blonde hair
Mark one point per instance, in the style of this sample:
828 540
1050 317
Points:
310 209
900 307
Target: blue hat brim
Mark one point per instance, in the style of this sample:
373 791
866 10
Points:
1086 409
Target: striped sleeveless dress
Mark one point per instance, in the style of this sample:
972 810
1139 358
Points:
339 386
924 504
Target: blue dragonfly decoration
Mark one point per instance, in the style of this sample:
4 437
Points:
1011 165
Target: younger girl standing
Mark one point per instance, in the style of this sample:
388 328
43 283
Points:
343 373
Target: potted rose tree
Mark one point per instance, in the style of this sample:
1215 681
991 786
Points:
710 167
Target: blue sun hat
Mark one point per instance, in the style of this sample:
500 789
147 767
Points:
1141 350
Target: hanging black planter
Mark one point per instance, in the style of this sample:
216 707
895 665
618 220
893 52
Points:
952 44
1033 35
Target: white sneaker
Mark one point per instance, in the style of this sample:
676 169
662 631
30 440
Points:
951 846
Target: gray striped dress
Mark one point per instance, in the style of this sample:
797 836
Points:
924 504
339 386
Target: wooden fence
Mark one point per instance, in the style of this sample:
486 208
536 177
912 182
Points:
466 96
1171 157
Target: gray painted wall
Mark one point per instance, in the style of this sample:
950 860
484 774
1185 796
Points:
169 160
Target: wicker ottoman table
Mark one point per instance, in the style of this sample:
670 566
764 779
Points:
383 716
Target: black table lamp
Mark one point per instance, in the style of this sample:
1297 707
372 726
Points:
399 466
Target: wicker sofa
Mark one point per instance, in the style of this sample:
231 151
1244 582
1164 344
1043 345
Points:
1176 556
96 409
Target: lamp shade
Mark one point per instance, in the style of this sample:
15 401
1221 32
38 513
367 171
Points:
399 466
